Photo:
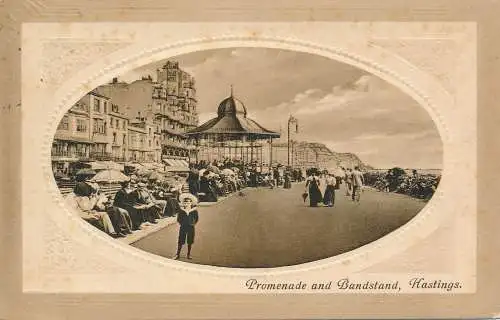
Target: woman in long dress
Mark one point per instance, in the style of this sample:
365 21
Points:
315 196
329 197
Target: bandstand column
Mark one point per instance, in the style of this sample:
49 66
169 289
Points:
251 150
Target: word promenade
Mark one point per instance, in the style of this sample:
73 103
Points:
253 284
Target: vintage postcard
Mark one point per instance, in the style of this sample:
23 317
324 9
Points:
274 159
249 160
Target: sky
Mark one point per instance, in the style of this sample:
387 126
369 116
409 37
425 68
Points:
344 107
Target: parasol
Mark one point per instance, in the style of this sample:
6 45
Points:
110 176
213 169
227 172
155 176
143 172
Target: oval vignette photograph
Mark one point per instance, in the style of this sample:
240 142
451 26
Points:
246 158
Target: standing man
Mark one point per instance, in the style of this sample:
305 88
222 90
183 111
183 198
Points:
348 182
187 219
357 183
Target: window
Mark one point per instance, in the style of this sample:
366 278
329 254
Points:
117 123
150 143
105 107
114 137
124 139
97 105
171 75
64 124
99 126
124 124
81 125
150 133
111 123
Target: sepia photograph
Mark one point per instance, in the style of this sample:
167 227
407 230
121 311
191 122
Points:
246 158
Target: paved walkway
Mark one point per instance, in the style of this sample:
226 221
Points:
274 227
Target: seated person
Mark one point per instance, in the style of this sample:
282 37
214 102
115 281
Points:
84 206
144 204
119 217
124 200
149 194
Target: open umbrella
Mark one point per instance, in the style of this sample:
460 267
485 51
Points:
213 169
143 172
110 176
85 172
155 176
227 172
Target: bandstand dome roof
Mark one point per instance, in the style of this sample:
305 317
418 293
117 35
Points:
231 105
232 120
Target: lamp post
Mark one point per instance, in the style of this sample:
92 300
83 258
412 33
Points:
291 120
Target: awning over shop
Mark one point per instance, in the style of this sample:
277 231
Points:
133 165
175 165
106 165
150 165
176 169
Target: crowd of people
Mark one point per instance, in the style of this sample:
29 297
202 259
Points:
141 201
137 203
352 178
414 184
211 180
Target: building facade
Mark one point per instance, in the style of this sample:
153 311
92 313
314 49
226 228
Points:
72 140
169 103
144 140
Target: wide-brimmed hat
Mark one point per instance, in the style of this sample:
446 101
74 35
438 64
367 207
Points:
185 196
125 183
141 184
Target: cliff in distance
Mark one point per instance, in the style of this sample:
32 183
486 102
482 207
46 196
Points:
342 159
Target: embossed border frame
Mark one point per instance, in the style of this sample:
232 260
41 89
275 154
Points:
86 261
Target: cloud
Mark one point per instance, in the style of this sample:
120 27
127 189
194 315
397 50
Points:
205 116
315 101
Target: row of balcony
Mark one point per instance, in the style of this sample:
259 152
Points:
179 96
87 156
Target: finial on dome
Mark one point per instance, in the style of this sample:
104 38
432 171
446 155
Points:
232 91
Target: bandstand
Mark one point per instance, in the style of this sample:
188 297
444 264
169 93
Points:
231 135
